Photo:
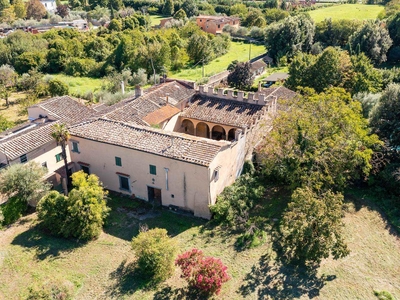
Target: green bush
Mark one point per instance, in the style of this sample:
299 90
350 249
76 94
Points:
53 290
155 252
81 215
234 203
13 210
58 88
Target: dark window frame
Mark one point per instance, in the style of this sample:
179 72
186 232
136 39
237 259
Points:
23 158
153 169
118 161
121 179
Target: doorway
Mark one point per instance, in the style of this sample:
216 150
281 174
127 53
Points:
154 196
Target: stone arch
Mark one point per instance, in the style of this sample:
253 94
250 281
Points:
188 126
218 133
203 130
231 134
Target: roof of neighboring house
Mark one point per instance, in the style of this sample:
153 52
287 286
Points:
258 64
161 115
26 139
277 77
135 110
280 92
66 109
172 145
219 18
226 112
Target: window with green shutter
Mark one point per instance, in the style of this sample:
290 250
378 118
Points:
153 170
58 157
118 161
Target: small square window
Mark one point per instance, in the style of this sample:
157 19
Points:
118 161
59 157
124 183
44 165
75 147
23 159
153 170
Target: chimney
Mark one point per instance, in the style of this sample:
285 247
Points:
138 91
122 87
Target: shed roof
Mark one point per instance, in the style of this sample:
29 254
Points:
277 77
161 115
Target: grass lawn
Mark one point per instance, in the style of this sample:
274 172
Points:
103 269
268 72
155 19
347 11
238 51
79 85
13 112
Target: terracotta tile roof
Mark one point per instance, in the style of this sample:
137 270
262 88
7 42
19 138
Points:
277 77
66 109
172 145
26 140
134 110
161 115
280 92
226 112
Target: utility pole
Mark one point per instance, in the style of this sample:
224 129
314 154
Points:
202 68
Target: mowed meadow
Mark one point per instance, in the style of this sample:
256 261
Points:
104 268
346 11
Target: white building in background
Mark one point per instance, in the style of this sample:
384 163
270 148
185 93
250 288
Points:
50 5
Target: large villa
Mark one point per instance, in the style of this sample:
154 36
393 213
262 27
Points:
173 145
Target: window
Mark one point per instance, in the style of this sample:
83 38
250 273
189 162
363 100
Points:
118 161
85 169
58 157
75 147
23 159
124 183
153 170
219 26
44 165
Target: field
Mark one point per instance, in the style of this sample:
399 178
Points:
347 11
80 85
238 51
155 19
13 112
103 269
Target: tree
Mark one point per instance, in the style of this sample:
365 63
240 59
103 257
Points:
239 9
180 15
35 10
241 77
312 227
190 8
322 142
394 29
8 80
255 18
115 25
199 48
373 39
28 61
4 123
205 274
290 36
62 10
23 184
155 253
336 33
275 15
61 135
385 117
58 88
168 8
81 215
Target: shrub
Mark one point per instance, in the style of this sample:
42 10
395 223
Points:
13 210
155 252
81 215
58 88
204 274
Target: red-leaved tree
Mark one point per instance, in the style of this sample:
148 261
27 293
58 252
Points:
205 274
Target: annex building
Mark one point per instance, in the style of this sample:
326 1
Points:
172 145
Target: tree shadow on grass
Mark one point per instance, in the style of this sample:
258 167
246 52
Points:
167 293
281 280
45 246
128 279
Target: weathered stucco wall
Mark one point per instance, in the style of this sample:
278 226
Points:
187 183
